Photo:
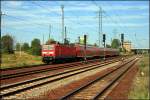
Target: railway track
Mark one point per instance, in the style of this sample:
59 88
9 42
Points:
19 74
96 87
51 68
15 88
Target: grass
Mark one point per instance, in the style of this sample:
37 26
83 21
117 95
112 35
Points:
15 60
140 89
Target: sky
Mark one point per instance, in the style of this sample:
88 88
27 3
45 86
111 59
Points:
26 20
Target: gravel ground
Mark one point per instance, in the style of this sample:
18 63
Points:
120 92
92 90
61 91
42 90
32 76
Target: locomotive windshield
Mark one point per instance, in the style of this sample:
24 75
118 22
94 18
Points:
48 47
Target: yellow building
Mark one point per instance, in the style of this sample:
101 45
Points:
127 46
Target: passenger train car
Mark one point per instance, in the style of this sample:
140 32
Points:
54 52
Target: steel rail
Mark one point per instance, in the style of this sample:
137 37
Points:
86 85
33 72
8 76
32 66
39 78
53 80
113 81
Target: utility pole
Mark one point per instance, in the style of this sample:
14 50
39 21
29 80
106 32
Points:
49 31
62 8
114 33
43 39
100 27
79 39
65 40
2 14
20 48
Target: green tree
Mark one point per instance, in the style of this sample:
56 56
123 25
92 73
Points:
17 46
81 40
115 43
66 41
36 47
95 45
25 47
108 46
7 43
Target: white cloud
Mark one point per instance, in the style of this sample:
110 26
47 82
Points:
129 7
43 16
95 8
15 3
129 25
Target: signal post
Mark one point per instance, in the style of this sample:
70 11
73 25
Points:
85 39
104 38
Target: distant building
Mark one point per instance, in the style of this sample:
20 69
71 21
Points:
141 51
127 46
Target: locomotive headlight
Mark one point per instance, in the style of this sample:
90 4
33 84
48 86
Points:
44 52
51 52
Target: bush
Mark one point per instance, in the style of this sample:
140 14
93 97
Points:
25 47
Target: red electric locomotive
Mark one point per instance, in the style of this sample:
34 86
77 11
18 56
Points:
53 52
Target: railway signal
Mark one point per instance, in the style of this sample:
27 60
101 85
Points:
104 38
85 41
79 39
122 40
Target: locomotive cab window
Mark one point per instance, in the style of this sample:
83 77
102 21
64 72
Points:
48 47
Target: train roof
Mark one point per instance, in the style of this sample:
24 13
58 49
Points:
88 46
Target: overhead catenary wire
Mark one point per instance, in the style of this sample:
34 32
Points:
121 21
58 14
122 28
23 20
38 23
53 12
72 21
114 21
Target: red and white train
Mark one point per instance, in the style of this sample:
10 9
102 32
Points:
54 52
